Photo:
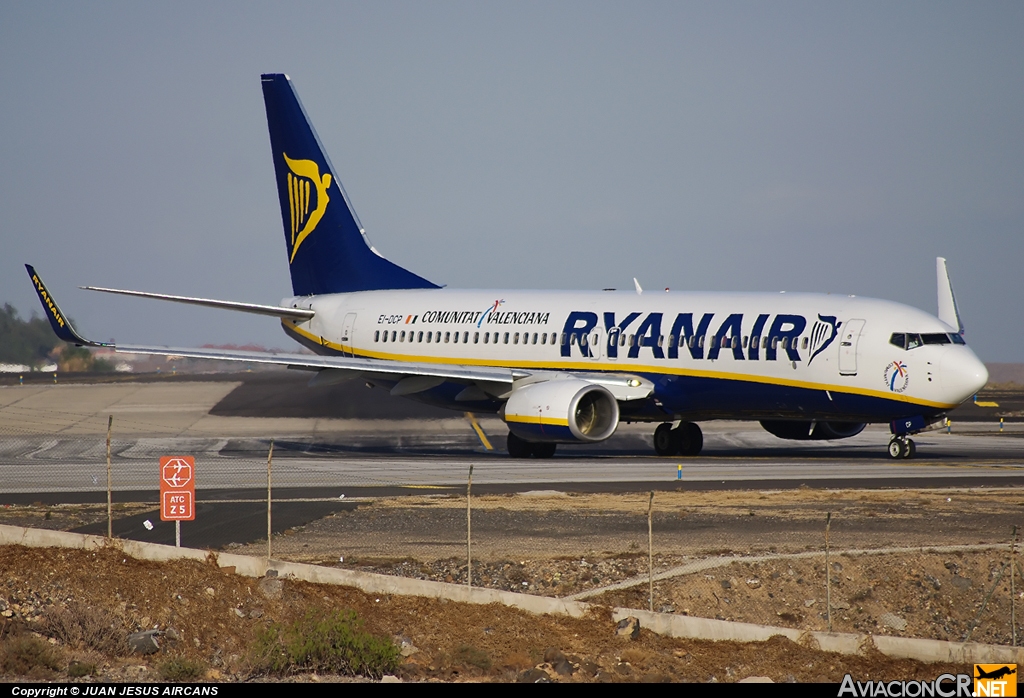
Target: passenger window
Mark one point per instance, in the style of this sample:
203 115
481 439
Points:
805 342
661 339
430 336
515 338
394 333
534 338
402 339
544 338
745 338
506 338
376 336
583 340
764 342
632 339
476 338
700 342
735 342
487 335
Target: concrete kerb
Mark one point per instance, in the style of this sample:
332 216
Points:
668 624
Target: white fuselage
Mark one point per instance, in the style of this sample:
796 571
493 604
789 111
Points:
741 355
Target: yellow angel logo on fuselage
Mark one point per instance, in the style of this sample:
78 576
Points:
305 221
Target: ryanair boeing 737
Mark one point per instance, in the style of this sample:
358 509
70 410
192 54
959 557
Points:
568 367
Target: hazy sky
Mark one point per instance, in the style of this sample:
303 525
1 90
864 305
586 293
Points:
708 146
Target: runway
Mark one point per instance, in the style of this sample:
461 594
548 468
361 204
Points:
343 446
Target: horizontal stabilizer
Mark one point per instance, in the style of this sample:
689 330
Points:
256 309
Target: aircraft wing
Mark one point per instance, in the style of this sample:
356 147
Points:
374 367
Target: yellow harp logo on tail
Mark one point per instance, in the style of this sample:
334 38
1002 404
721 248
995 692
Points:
304 221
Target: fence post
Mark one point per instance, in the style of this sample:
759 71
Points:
828 573
469 530
270 460
1013 590
650 552
110 509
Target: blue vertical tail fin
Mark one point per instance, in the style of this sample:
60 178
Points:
327 248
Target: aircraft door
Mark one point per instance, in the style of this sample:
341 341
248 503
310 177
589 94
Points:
611 349
848 341
347 332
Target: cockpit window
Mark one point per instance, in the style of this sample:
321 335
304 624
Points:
913 341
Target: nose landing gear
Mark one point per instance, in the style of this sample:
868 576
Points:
901 447
685 440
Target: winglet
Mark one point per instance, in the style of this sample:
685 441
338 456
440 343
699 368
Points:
58 320
948 311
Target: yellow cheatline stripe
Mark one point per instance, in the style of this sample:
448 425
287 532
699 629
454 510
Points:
479 431
530 419
593 366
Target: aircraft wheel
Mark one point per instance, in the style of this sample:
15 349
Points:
690 439
896 449
665 442
518 448
543 450
909 449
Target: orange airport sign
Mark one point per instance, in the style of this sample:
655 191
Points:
177 488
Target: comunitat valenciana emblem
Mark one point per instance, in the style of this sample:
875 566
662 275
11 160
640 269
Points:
897 377
304 221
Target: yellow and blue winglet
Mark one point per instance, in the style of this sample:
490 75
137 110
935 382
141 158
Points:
58 320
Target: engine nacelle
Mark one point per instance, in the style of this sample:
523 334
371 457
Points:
822 431
561 411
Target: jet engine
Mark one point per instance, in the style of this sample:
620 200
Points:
812 431
561 411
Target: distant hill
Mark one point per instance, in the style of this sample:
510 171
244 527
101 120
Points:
1001 374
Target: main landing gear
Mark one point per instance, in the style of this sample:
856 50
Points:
685 440
521 448
901 447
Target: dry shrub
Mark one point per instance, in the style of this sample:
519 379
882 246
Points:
29 656
470 655
635 656
182 669
323 642
84 627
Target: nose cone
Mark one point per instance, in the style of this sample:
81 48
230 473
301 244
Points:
962 373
